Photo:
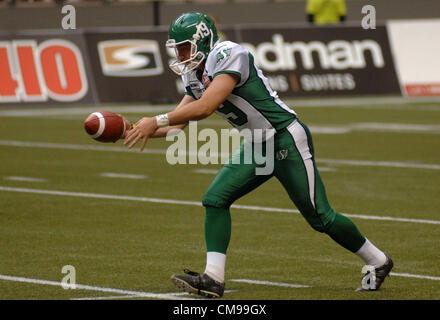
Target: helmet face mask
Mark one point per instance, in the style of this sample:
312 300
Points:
185 66
196 29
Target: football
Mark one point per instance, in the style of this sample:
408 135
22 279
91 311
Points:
105 126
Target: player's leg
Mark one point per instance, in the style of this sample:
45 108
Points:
300 177
234 180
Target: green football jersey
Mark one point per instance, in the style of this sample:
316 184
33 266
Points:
252 104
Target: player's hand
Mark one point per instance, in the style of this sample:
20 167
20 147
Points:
128 126
143 130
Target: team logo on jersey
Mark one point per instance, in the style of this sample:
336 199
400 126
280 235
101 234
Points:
223 54
130 58
281 154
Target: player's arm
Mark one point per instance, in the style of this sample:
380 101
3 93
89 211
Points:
162 132
217 92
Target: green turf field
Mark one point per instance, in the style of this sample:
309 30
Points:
126 235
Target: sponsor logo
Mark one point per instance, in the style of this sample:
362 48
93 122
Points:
281 154
324 82
130 58
280 55
32 72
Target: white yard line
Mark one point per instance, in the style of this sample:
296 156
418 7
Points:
375 127
34 112
364 102
270 283
214 171
128 296
395 127
417 276
353 127
122 175
50 145
392 164
94 147
111 297
169 296
293 285
429 103
322 169
140 296
206 171
27 179
195 203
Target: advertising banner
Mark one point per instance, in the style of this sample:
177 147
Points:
48 69
416 47
130 65
324 61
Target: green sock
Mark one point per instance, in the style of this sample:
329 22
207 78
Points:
217 229
345 233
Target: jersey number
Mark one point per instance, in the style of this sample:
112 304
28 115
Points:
233 114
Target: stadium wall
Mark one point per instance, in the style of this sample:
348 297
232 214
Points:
38 15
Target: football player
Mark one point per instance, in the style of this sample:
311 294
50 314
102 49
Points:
222 77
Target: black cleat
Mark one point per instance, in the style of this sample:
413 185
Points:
199 284
377 275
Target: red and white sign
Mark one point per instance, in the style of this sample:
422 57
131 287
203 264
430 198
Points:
416 49
31 72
